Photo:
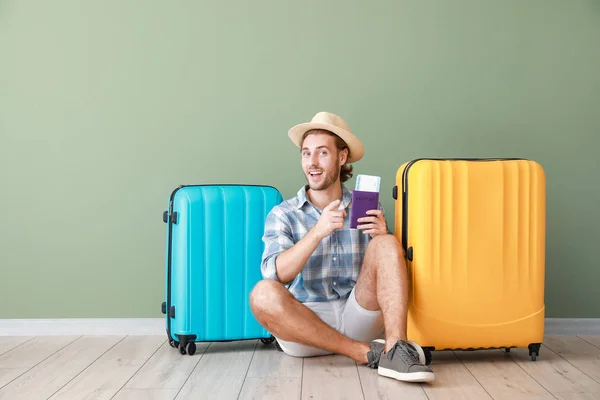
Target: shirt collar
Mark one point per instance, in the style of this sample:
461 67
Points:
302 198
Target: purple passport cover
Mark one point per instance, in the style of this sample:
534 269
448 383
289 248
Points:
361 203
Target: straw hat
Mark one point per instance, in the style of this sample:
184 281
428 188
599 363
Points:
332 123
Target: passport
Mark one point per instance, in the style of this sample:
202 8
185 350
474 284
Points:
365 197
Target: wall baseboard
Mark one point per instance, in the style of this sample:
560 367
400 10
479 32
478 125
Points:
83 326
156 326
572 326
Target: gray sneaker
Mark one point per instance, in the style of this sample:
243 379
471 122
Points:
377 347
405 362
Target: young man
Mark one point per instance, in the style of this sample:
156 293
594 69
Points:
328 288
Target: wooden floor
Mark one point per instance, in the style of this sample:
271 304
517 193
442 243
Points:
146 367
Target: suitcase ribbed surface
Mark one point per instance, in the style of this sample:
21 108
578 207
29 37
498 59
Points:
216 254
477 232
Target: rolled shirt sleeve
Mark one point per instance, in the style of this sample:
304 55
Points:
277 238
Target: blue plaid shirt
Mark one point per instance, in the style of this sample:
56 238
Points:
332 270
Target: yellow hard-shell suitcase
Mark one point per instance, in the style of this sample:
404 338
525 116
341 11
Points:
473 232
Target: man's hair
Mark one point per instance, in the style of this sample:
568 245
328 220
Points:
346 169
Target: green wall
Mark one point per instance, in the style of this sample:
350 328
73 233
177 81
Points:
105 107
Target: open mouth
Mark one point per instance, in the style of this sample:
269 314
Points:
315 175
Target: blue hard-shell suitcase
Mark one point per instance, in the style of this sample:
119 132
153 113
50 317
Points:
214 250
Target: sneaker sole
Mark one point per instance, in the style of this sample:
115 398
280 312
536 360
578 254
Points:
407 377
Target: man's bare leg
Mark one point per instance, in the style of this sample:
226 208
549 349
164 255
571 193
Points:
382 284
286 318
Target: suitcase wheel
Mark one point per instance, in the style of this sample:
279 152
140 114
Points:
534 350
428 356
174 343
190 348
268 340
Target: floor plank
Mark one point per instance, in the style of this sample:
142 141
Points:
220 372
500 375
583 355
166 369
22 358
330 377
107 375
146 394
452 379
577 396
268 362
271 388
50 375
376 387
554 372
10 342
593 340
272 374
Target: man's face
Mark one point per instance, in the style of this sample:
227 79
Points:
321 161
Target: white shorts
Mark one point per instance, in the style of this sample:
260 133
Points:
345 316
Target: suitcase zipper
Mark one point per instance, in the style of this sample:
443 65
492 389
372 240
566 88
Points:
409 251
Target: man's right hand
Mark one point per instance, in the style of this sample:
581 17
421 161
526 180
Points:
290 262
330 220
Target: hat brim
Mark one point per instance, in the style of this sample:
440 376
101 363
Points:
356 150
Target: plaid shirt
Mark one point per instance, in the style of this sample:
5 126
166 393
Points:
332 270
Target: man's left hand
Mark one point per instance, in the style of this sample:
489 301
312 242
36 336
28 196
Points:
374 225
